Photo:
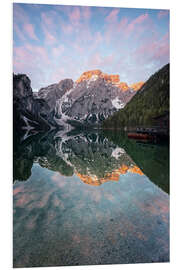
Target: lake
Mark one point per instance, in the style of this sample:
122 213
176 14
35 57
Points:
89 198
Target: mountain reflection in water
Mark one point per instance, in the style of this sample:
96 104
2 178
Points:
85 201
92 158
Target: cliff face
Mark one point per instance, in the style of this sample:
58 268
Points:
91 101
54 92
30 115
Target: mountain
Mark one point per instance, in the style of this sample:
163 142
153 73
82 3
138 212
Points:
92 98
87 102
29 113
150 106
34 112
54 92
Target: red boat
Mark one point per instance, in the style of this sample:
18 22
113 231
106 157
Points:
140 136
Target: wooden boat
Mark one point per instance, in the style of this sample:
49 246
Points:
140 136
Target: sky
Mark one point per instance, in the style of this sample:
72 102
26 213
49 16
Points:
54 42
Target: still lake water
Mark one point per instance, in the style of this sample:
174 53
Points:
84 199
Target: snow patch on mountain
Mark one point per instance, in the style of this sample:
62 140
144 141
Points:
92 79
117 103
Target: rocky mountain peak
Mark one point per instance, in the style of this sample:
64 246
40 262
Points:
136 86
21 86
66 84
88 74
98 74
123 86
92 75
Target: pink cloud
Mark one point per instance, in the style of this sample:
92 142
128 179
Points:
119 31
48 26
103 11
141 18
84 34
162 13
95 60
42 53
47 19
97 40
88 41
138 21
121 25
110 32
98 61
63 9
31 60
49 37
67 28
19 32
29 29
75 15
58 50
162 49
79 48
108 60
19 15
166 36
154 50
21 58
86 12
28 57
78 23
113 16
113 28
57 76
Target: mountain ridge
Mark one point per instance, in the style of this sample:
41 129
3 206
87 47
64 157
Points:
110 78
87 102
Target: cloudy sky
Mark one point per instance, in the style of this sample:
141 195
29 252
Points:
53 42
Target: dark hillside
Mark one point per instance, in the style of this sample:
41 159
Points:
150 102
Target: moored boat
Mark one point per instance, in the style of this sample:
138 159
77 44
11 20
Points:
140 136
